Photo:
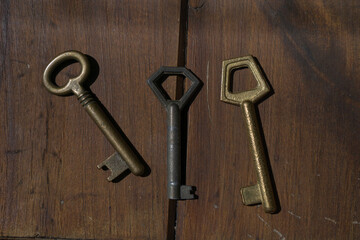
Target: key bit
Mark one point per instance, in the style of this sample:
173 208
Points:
115 164
125 157
174 109
187 192
263 192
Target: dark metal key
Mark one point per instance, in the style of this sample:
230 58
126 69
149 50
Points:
174 110
124 158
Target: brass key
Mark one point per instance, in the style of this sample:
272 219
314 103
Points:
124 158
263 191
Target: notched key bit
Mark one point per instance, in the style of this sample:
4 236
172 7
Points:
263 192
125 157
115 164
187 192
173 108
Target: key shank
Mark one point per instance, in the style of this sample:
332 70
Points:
95 111
175 189
173 151
262 192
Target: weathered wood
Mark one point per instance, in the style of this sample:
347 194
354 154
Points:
310 54
49 147
49 183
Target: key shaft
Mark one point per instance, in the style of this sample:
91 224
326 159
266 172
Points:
264 184
107 127
174 187
174 151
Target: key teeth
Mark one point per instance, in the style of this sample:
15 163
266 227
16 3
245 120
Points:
102 166
115 164
187 192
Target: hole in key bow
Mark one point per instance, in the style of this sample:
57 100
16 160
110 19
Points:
175 86
65 71
241 80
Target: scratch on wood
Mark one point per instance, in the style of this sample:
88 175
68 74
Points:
21 62
355 222
38 236
45 150
330 220
4 35
207 90
263 220
16 151
198 7
282 237
279 233
250 236
293 214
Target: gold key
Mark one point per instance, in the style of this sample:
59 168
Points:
124 158
263 191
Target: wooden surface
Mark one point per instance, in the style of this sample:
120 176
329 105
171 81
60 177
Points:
310 54
49 147
49 183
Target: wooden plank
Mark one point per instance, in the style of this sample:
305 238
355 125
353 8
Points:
309 52
49 183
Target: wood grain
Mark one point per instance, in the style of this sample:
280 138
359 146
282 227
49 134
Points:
310 54
49 148
49 183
